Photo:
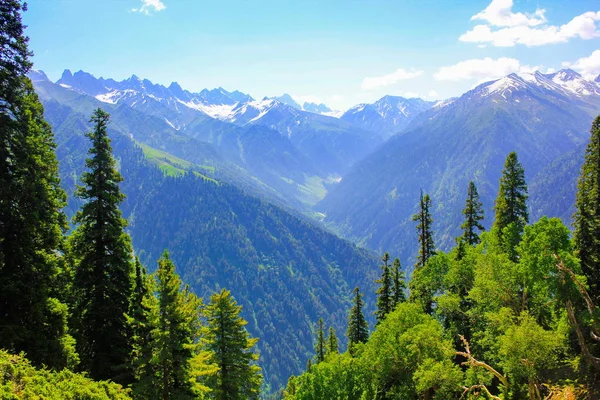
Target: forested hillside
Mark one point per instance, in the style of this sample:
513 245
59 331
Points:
282 269
506 314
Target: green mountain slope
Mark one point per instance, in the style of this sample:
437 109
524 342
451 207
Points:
283 270
447 147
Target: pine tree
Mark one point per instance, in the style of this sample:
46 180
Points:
511 203
143 320
424 230
238 377
321 344
32 225
385 291
587 215
175 336
474 214
358 329
332 342
511 206
103 269
399 295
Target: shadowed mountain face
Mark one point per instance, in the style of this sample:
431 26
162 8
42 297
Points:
542 117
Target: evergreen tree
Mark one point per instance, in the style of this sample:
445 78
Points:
474 214
385 291
103 269
332 342
237 377
358 329
175 336
424 230
511 203
143 319
32 318
321 344
587 215
399 295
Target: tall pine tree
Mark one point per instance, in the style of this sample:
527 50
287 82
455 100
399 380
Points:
238 377
332 342
358 329
176 335
321 343
424 230
474 214
587 215
32 319
385 294
511 205
102 252
399 295
143 321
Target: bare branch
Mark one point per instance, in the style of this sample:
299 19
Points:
471 361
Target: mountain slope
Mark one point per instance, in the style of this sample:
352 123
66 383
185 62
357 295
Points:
283 270
387 116
445 147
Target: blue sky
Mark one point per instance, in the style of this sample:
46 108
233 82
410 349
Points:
337 52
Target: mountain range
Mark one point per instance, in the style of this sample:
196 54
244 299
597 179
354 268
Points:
545 118
236 183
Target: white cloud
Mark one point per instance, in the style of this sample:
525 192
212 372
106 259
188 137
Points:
482 69
389 79
433 94
337 97
589 67
499 13
306 99
529 30
148 6
411 95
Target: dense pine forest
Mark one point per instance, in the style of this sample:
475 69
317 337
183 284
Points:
509 313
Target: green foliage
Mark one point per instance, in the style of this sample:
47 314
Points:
587 216
399 283
20 380
32 225
101 251
358 328
238 377
332 342
424 230
320 344
511 203
474 214
174 339
385 292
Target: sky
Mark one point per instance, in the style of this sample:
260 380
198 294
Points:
337 52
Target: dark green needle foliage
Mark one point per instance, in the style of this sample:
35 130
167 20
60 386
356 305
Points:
32 224
385 292
424 230
587 216
358 328
399 292
321 343
474 214
103 269
332 342
238 377
511 204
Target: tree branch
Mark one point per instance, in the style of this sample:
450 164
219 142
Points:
471 361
